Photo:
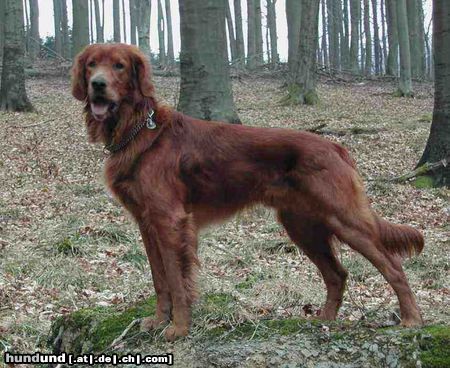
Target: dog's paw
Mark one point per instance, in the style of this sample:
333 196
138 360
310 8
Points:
411 322
149 324
173 332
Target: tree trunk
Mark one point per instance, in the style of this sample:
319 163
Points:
342 45
80 32
361 40
416 38
240 50
170 52
230 29
258 33
392 27
133 21
333 33
302 88
98 23
293 16
116 20
355 14
405 84
27 26
91 21
34 29
57 23
65 30
251 40
438 144
13 96
326 62
383 30
205 89
345 54
145 10
376 38
124 22
272 23
368 62
161 35
2 35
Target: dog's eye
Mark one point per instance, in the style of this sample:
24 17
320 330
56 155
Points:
118 66
92 64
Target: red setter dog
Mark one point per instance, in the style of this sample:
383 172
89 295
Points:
176 174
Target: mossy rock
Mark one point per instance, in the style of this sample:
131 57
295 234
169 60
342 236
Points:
218 339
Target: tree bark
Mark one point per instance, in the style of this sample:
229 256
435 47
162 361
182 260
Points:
272 24
2 35
326 61
57 23
302 87
333 33
124 22
405 84
368 59
438 144
34 29
145 10
392 27
383 34
251 37
161 35
230 30
133 21
116 20
355 14
345 46
91 21
13 96
240 50
80 32
170 52
27 26
205 89
258 33
293 16
65 30
376 38
98 23
416 38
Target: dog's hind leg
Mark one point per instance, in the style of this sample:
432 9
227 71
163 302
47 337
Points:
362 234
315 241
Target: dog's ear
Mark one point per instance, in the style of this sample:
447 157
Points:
79 85
142 72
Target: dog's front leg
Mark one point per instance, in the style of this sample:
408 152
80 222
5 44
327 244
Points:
163 298
177 247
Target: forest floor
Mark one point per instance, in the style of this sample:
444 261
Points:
66 245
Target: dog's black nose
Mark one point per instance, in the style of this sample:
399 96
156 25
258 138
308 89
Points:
99 84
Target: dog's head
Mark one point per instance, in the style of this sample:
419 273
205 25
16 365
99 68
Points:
108 75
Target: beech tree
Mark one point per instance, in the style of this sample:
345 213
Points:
392 27
355 15
405 83
205 88
272 25
438 144
116 20
293 16
144 11
170 52
99 22
80 32
34 29
240 50
13 96
161 35
302 81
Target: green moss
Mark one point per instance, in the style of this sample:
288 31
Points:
94 329
435 347
311 98
424 182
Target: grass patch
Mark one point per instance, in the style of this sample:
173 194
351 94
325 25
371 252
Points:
436 347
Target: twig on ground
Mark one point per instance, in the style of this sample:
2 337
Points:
33 125
124 333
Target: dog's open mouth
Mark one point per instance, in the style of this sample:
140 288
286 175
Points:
101 107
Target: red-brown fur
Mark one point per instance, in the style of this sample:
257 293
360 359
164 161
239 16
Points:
188 173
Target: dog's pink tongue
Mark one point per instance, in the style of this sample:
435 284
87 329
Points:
99 109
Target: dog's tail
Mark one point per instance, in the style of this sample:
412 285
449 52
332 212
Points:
400 239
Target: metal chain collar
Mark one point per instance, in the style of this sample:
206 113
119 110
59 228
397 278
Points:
148 122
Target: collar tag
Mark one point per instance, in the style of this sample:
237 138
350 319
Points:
149 123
